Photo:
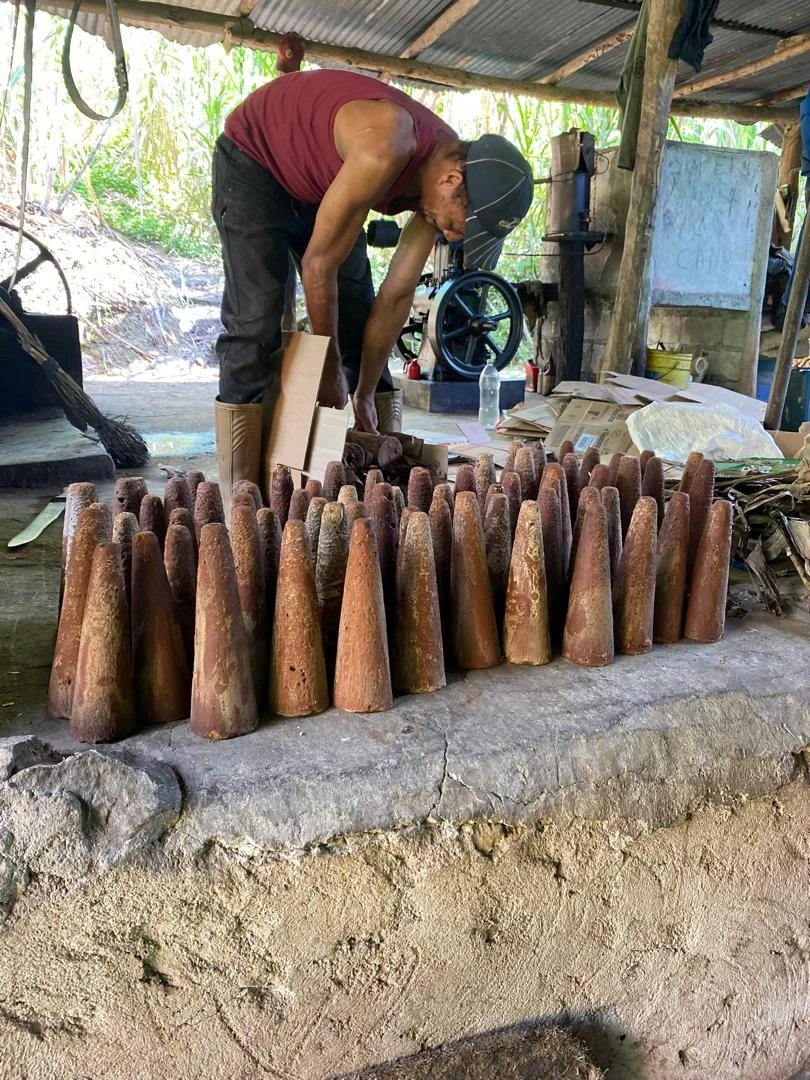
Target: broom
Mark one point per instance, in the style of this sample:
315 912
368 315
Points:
121 441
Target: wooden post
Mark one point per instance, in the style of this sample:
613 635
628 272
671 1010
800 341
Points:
790 334
631 312
790 160
572 309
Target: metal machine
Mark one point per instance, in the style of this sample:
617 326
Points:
460 318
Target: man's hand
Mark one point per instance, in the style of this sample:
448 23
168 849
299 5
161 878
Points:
333 391
365 412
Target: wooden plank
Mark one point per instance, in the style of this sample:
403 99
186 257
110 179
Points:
790 160
440 25
788 49
793 93
790 334
582 59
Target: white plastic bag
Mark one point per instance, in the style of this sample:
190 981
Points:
673 429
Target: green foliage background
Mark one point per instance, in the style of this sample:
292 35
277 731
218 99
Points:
146 174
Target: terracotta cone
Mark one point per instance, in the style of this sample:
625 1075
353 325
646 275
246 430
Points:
183 517
510 482
104 702
299 505
706 609
420 489
538 452
129 492
613 508
177 494
249 565
444 491
223 703
251 490
590 459
465 479
362 671
124 527
312 525
571 468
194 479
180 561
78 497
353 511
513 448
555 474
644 457
652 484
399 499
498 544
485 477
548 501
208 509
689 470
330 575
527 471
475 632
566 448
314 488
701 494
526 635
333 480
600 477
588 634
270 539
419 655
162 675
152 517
670 578
628 481
494 489
94 527
613 468
281 490
634 592
373 476
589 495
441 531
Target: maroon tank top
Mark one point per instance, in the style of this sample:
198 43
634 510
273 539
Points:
287 127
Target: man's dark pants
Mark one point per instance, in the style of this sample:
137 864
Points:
263 231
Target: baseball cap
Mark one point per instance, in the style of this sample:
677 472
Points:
500 188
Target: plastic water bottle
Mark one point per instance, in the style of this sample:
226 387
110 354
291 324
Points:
489 396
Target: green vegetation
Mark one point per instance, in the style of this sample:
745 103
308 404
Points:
146 174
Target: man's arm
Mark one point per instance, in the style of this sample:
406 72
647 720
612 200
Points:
389 313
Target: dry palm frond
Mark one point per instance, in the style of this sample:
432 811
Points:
121 441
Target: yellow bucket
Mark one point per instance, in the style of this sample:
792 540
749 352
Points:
670 367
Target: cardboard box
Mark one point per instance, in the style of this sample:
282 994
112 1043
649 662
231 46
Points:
596 424
789 442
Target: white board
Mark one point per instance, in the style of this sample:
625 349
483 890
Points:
713 217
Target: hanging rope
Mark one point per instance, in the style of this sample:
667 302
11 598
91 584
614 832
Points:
120 64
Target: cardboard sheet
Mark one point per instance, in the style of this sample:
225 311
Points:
596 424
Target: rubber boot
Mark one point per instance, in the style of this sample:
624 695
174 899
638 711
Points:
389 411
634 593
249 566
419 655
706 611
180 561
475 632
238 430
526 636
588 634
670 579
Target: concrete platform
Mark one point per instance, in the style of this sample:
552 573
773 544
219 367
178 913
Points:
460 396
47 451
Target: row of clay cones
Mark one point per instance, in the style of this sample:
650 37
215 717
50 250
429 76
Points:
167 613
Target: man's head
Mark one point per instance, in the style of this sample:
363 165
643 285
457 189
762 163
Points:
477 192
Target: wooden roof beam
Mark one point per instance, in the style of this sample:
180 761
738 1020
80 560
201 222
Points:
790 94
440 25
582 59
788 49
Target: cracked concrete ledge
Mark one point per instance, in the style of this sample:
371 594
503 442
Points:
646 740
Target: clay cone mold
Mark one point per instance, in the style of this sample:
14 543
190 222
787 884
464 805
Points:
177 494
526 470
420 489
353 511
613 467
124 528
223 703
600 477
299 505
270 539
444 491
706 610
555 475
399 499
494 489
628 482
689 470
589 495
94 527
588 634
538 452
485 477
475 633
180 561
670 578
566 448
152 517
281 490
613 508
551 525
103 703
347 494
208 509
419 655
465 479
312 526
510 482
314 488
162 675
441 530
249 566
498 544
571 467
373 476
362 671
590 459
298 684
652 484
194 479
333 480
644 457
248 488
330 575
701 493
634 594
526 636
383 513
129 493
78 498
